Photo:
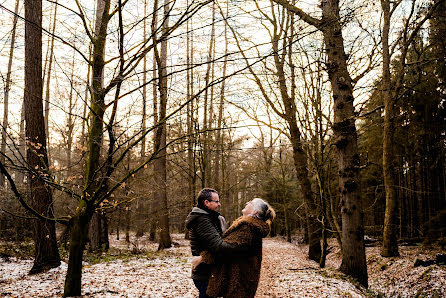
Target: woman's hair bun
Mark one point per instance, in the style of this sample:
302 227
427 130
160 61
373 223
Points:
264 210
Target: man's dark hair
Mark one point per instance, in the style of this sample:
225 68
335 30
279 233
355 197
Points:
203 195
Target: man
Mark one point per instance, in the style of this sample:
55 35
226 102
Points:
206 226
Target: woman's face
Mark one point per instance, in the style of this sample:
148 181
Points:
249 209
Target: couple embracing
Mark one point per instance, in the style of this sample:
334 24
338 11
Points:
226 263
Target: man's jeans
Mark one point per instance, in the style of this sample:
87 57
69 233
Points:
202 286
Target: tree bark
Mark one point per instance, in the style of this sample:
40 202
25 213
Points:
97 118
160 164
22 143
48 79
141 204
206 157
40 197
86 206
353 249
353 259
78 239
153 222
389 245
219 136
191 181
70 123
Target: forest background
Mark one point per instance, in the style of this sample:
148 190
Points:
334 112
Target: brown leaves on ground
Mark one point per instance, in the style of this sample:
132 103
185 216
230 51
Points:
286 272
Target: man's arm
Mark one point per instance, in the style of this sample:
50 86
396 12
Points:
214 243
241 243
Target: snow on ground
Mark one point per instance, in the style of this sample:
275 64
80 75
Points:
286 272
398 274
163 274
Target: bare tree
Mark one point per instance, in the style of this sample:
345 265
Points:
353 249
98 236
280 31
40 196
160 165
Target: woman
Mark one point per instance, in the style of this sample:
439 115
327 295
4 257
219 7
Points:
238 276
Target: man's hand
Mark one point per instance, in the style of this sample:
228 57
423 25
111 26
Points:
196 260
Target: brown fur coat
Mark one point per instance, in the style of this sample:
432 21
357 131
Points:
239 276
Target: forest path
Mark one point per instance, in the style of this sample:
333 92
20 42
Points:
287 272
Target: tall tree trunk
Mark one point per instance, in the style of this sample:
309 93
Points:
70 124
7 88
353 249
85 104
78 239
48 79
160 164
391 91
219 138
144 88
141 203
299 155
86 207
206 166
153 203
389 244
190 201
22 143
96 224
46 252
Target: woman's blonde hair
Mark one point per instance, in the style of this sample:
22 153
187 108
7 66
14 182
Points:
264 211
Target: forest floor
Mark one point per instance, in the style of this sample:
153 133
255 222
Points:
139 270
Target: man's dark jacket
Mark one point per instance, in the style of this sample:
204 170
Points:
205 228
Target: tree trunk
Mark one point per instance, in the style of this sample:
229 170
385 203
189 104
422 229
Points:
206 163
118 224
78 239
299 156
97 118
48 79
190 201
83 140
389 245
219 138
7 88
141 203
287 223
46 252
97 108
153 222
97 229
160 164
127 222
353 250
22 143
70 124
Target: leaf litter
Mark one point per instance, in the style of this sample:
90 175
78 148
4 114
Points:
286 272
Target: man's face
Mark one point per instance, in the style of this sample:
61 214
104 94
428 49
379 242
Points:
214 203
